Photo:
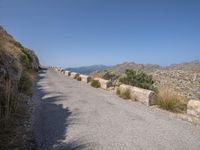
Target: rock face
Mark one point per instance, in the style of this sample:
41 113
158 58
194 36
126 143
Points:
193 108
147 97
105 84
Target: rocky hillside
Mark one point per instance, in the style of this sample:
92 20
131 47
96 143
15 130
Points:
17 67
184 78
193 66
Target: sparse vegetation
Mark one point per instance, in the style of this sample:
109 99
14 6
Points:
168 99
108 76
124 94
17 66
95 84
139 79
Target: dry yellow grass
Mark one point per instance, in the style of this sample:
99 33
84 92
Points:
168 99
124 94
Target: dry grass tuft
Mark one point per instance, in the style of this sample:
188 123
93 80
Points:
124 94
168 99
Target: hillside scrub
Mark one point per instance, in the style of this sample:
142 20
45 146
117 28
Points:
109 76
17 68
168 99
95 84
138 79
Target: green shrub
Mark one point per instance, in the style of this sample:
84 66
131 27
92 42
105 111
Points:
139 79
168 99
96 84
108 76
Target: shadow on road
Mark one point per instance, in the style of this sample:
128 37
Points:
52 120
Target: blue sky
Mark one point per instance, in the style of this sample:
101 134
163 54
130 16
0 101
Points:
85 32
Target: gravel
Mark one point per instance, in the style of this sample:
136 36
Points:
73 115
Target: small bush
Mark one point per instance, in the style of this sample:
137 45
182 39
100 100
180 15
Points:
168 99
139 79
96 84
79 78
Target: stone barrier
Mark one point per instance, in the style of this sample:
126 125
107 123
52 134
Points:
67 73
147 97
73 74
193 108
105 84
85 78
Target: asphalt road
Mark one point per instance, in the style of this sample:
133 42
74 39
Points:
73 115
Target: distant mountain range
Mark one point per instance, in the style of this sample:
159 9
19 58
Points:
88 69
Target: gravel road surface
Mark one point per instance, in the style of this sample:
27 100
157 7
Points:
73 115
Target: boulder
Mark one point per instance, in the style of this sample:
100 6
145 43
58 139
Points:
193 108
105 84
147 97
85 78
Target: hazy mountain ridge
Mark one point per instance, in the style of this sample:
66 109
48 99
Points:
87 69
